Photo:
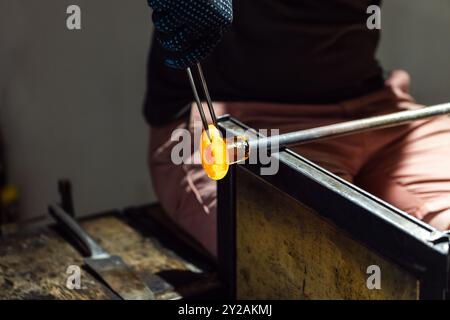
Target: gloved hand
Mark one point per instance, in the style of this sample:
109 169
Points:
190 29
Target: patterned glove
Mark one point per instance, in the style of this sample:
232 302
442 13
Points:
190 29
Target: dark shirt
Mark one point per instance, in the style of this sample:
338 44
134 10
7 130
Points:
284 51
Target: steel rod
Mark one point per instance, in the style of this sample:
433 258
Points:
347 128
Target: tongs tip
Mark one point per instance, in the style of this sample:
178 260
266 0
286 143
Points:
197 99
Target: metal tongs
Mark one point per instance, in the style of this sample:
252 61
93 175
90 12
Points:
197 99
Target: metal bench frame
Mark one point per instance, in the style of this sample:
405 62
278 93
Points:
412 244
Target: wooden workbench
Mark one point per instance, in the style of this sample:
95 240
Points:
33 265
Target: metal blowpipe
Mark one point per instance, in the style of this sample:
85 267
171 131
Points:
243 147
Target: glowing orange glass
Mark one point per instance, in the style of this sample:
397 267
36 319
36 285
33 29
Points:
214 154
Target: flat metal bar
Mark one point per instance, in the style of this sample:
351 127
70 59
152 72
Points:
198 102
207 96
350 127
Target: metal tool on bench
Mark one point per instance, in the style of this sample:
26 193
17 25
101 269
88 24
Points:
111 269
197 98
240 147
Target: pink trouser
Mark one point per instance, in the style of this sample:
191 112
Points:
407 166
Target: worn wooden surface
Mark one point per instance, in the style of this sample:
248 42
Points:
33 266
287 251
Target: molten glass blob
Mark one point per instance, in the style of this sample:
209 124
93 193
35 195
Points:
217 154
214 154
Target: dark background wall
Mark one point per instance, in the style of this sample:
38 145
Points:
71 101
415 37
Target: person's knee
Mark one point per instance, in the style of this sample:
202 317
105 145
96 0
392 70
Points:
439 220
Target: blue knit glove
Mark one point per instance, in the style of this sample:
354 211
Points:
190 29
